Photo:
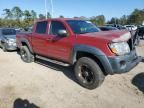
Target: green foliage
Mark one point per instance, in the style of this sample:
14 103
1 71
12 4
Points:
1 22
17 13
48 15
41 16
98 20
136 17
27 14
61 16
16 17
123 20
8 14
33 14
114 21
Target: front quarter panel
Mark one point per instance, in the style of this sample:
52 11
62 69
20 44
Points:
94 51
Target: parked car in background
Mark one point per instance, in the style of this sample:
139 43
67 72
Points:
18 30
118 26
93 53
130 27
8 39
141 32
28 29
107 28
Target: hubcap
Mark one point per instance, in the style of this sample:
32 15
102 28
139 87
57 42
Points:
86 74
24 55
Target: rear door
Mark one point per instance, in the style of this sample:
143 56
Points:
39 38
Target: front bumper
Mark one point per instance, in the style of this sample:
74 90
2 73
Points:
123 64
11 47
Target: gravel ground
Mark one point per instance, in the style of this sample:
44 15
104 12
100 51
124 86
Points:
45 85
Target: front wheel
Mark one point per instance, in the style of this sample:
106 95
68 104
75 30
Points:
88 73
26 55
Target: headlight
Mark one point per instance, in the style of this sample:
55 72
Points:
121 48
10 41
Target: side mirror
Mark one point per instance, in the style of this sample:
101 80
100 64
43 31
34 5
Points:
62 33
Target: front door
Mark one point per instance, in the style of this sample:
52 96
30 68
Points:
59 47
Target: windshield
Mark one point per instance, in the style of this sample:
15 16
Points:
81 27
8 32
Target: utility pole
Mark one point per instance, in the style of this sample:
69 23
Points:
46 11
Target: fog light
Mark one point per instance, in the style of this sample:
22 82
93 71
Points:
122 64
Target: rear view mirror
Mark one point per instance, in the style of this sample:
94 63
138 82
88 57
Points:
62 33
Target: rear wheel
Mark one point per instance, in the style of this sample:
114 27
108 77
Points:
26 55
88 73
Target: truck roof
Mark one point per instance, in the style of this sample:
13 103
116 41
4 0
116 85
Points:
60 19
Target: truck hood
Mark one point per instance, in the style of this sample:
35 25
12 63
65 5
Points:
114 36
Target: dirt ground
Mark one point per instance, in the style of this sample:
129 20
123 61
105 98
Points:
45 85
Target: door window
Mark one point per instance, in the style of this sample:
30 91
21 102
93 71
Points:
56 26
41 27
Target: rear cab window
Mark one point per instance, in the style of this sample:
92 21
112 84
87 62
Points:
41 27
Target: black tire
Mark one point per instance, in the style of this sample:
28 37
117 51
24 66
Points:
26 55
88 73
4 47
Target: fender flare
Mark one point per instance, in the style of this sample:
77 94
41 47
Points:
27 43
94 51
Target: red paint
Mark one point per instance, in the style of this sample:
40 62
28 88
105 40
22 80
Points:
61 48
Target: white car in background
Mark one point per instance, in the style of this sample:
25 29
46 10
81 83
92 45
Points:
131 27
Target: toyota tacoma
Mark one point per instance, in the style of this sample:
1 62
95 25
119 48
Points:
93 53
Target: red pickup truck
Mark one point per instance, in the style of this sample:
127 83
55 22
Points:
93 53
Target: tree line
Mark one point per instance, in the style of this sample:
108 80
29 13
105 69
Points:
136 18
16 17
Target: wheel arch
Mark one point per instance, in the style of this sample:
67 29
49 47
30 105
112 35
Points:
25 42
96 54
